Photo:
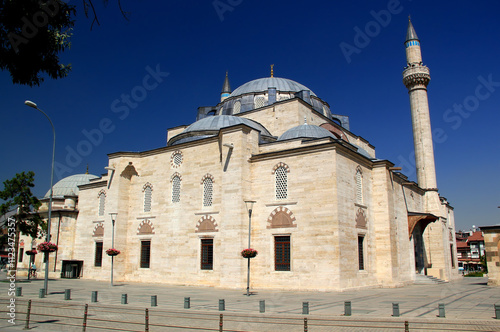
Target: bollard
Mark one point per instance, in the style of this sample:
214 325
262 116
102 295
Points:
28 312
441 310
41 293
305 324
154 301
222 305
146 328
187 302
395 309
305 308
262 306
94 296
124 299
85 313
407 326
347 308
221 323
19 291
67 294
497 311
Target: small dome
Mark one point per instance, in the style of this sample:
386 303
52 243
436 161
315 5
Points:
306 131
210 126
69 185
262 84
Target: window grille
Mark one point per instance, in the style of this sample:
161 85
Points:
176 189
361 252
145 254
147 199
281 183
282 253
207 254
102 201
259 102
98 254
237 107
359 187
207 192
177 159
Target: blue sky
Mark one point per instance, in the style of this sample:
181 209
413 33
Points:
191 44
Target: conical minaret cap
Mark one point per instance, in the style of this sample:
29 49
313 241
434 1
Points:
410 33
226 88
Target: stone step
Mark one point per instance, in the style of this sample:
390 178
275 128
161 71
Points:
425 280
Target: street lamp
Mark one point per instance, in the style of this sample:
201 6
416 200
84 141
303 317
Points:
249 205
33 105
113 219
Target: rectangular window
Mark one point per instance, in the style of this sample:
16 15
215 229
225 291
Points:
145 254
361 252
207 254
282 253
21 252
98 254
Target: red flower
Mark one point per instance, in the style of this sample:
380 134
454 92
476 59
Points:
112 252
47 247
249 253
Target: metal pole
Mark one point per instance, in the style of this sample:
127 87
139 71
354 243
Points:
249 237
112 246
33 105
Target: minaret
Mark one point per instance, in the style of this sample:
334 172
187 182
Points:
226 89
416 76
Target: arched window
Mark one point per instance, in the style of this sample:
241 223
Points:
237 107
359 186
148 191
208 188
102 201
281 178
176 188
259 102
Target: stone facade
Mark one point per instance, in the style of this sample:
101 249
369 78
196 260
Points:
328 214
492 245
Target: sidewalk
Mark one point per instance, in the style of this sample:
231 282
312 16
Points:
469 299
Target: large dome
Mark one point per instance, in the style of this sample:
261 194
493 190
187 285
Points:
306 131
210 126
263 84
69 185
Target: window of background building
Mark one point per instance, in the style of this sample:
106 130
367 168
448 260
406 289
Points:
176 189
207 192
281 183
102 201
147 198
282 253
21 252
207 254
145 254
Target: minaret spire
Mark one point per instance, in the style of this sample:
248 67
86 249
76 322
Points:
416 77
226 89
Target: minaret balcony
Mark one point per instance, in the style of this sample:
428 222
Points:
417 75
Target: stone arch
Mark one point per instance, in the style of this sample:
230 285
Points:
335 131
207 176
361 219
174 175
98 231
280 164
206 224
146 185
281 217
145 227
101 192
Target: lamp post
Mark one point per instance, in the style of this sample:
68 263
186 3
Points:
33 105
113 219
249 205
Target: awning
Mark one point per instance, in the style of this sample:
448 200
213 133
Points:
416 217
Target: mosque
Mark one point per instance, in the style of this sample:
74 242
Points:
270 167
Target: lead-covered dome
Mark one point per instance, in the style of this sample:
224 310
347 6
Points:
263 84
210 126
69 185
306 131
